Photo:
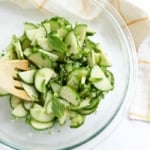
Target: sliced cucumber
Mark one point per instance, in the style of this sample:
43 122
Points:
54 25
19 111
37 106
29 26
46 25
27 76
72 43
88 111
42 77
41 125
10 53
31 33
80 32
49 107
91 58
42 58
73 81
79 73
41 33
104 59
104 84
93 103
90 32
18 49
31 91
84 103
47 98
77 121
63 118
44 44
55 87
110 77
14 101
70 95
62 32
39 114
27 52
27 105
52 56
25 42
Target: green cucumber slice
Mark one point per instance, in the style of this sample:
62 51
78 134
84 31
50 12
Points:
41 125
42 58
49 107
27 76
31 33
19 111
55 87
14 101
31 91
46 25
84 103
72 43
18 49
73 81
47 98
64 117
77 120
42 77
104 84
91 58
41 33
27 105
54 25
10 53
29 26
104 61
80 32
27 52
70 95
44 44
39 114
88 111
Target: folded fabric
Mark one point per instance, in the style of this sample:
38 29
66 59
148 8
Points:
80 8
140 108
138 23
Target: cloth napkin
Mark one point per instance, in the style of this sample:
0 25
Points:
138 23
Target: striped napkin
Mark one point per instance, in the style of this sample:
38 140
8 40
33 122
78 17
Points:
133 13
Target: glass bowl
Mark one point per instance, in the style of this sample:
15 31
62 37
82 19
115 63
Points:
116 41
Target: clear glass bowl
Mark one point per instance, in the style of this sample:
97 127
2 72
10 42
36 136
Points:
114 38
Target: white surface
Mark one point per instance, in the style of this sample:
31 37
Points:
130 135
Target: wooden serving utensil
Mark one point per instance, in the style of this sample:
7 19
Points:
9 80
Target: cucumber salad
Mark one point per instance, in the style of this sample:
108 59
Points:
69 73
